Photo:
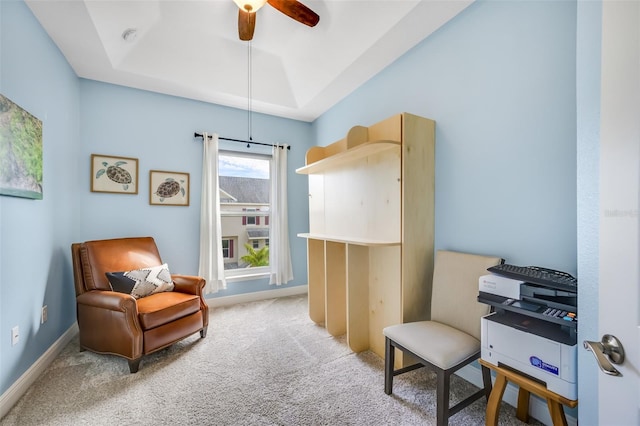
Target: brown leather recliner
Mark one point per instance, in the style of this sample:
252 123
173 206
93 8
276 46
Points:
117 323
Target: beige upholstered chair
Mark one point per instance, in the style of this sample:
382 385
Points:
451 339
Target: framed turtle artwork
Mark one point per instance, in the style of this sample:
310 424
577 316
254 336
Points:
114 174
168 188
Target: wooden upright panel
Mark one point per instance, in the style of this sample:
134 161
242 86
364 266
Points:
385 307
316 280
418 189
335 288
358 297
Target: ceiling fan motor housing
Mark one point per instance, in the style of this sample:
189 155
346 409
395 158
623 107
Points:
250 5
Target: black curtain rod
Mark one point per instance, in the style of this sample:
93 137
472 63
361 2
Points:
199 135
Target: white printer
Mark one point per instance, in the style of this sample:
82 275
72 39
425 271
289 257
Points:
528 346
533 330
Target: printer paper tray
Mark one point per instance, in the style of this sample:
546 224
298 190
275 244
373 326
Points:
529 325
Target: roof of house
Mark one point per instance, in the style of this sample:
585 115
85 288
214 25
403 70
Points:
245 190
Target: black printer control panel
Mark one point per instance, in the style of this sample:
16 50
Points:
563 316
541 309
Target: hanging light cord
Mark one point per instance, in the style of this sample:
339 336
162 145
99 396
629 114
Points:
249 92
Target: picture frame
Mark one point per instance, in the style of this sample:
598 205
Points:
114 174
168 188
21 159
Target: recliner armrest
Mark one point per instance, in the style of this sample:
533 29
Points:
192 284
111 300
189 284
109 323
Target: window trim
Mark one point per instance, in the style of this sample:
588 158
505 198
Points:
246 274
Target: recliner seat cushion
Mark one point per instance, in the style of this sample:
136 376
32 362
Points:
441 345
162 308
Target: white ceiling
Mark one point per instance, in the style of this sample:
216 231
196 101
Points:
190 48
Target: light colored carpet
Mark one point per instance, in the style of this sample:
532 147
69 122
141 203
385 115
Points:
262 363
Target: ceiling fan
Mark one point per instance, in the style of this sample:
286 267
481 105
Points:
292 8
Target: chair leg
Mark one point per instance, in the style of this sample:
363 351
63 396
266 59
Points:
203 332
389 361
134 364
442 398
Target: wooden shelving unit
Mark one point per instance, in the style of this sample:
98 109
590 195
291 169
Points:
370 239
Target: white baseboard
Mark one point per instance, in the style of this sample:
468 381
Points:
537 407
215 302
20 386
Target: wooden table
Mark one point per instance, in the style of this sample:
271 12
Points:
527 387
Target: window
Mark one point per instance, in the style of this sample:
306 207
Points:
227 248
250 220
245 204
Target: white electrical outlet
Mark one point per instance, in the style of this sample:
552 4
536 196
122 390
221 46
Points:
43 317
15 335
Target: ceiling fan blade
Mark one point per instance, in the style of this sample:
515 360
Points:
296 10
246 24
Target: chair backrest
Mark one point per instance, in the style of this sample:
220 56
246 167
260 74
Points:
455 289
92 259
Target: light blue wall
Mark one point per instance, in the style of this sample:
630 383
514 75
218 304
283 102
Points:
499 80
158 131
35 235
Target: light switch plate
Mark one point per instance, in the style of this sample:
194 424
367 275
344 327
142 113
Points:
15 335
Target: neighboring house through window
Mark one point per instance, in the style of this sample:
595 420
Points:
245 205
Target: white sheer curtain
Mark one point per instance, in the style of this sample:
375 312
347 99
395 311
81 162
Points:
279 253
211 265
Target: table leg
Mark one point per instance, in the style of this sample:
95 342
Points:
493 405
522 410
557 413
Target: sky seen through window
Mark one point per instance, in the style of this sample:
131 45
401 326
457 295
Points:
230 165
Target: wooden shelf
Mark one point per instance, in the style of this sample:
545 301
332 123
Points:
361 151
346 240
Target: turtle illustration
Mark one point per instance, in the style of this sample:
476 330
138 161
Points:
170 188
116 173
